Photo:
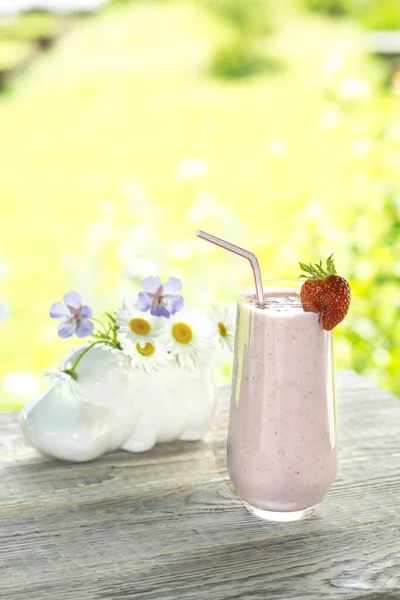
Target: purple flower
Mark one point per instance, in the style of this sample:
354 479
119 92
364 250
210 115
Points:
74 316
160 297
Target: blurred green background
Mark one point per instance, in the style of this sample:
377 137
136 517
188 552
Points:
272 124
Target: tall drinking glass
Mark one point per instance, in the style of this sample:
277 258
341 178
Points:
282 440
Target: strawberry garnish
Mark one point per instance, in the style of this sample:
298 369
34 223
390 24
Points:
325 292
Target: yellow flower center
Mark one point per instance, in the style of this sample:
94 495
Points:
182 333
148 350
140 326
222 330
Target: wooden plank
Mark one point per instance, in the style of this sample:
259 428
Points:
167 524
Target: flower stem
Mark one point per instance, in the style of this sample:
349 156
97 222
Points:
72 371
100 323
71 374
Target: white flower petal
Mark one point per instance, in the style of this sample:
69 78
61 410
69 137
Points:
227 319
128 338
198 350
154 362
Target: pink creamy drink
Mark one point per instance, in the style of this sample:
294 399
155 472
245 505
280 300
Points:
282 446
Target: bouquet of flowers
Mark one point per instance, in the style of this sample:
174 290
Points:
154 330
144 377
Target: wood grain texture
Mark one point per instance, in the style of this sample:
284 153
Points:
166 524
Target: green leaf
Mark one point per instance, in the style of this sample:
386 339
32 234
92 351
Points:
317 271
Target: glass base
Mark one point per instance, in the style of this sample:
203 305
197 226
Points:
280 517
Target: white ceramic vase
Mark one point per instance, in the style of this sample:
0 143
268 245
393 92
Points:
81 420
114 406
174 403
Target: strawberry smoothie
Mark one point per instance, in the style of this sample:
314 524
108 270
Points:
282 443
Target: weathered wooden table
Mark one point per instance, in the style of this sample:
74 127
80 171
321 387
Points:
167 525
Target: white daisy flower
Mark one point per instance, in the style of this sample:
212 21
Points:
150 358
59 378
56 376
189 337
136 327
226 326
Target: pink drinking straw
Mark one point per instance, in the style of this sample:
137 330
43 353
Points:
241 252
